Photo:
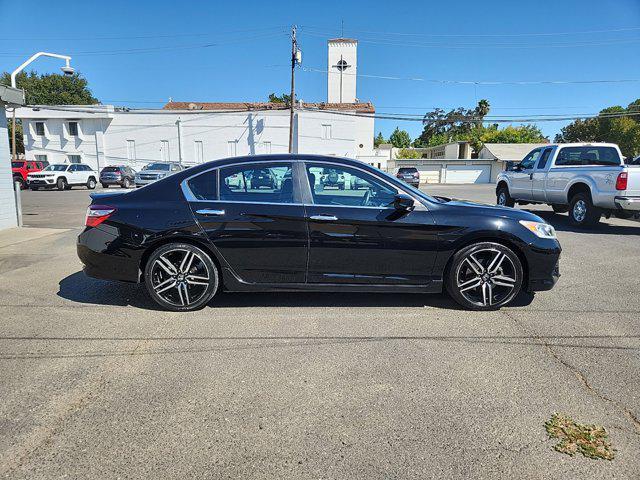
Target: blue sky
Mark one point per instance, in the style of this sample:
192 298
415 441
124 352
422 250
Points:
140 53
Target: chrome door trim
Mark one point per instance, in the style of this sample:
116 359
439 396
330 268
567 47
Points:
210 212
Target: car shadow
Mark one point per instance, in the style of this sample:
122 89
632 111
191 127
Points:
561 223
80 288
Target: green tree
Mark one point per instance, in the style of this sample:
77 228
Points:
379 140
408 153
284 98
53 89
611 125
48 89
459 124
400 138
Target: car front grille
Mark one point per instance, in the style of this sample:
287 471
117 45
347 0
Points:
148 177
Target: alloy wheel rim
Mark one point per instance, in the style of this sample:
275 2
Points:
502 199
580 210
180 277
486 277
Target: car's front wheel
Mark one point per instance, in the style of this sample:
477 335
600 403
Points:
180 277
126 183
504 198
91 183
484 276
61 184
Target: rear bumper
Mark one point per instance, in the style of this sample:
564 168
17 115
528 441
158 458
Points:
104 256
628 203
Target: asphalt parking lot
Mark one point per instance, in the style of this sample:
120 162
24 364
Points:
96 383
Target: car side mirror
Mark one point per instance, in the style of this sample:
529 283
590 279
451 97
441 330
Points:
403 203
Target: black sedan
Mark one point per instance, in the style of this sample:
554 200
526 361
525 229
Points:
190 235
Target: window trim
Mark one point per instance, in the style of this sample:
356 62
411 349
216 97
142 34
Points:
299 165
44 129
77 134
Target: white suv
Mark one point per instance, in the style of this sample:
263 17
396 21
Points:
63 176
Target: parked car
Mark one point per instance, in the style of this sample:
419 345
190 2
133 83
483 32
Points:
156 171
332 178
63 176
411 175
260 178
122 175
586 179
21 168
189 235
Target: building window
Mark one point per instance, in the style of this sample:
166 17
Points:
326 132
131 149
41 158
39 129
164 150
73 129
74 158
199 151
232 148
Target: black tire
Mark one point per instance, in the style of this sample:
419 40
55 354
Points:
155 276
560 208
582 212
105 185
91 183
61 184
126 183
504 198
472 270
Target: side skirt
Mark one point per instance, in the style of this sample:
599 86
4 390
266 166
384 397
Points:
234 284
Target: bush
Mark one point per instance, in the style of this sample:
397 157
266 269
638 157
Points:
408 153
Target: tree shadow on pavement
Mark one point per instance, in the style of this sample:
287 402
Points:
80 288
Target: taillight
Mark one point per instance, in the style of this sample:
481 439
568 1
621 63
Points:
621 182
96 214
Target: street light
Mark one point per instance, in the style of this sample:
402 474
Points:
67 70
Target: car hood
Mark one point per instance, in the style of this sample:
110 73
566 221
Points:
494 210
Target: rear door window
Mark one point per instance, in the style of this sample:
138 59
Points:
205 185
257 183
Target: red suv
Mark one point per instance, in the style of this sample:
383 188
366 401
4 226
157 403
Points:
21 168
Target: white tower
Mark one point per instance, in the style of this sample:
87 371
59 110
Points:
343 67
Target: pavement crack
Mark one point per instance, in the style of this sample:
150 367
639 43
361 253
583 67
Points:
578 374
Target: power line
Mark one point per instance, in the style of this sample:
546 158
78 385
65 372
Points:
134 51
488 35
398 43
476 82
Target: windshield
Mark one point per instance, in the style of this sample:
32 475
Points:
17 164
55 168
157 166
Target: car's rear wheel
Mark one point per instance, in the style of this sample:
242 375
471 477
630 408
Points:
180 277
504 198
582 211
61 184
484 276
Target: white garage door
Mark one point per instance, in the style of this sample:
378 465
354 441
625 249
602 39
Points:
429 173
468 174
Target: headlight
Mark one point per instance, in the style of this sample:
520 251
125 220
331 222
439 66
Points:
161 175
540 229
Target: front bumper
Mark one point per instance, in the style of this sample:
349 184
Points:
41 182
628 203
543 266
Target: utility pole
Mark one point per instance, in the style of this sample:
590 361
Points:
13 136
292 100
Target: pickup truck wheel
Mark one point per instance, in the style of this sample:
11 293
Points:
503 198
484 276
582 212
559 208
61 184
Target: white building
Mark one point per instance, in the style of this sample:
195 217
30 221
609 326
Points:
196 132
8 216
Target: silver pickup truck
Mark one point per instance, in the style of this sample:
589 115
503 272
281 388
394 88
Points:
586 179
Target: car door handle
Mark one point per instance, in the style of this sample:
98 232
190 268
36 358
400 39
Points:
326 218
210 212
